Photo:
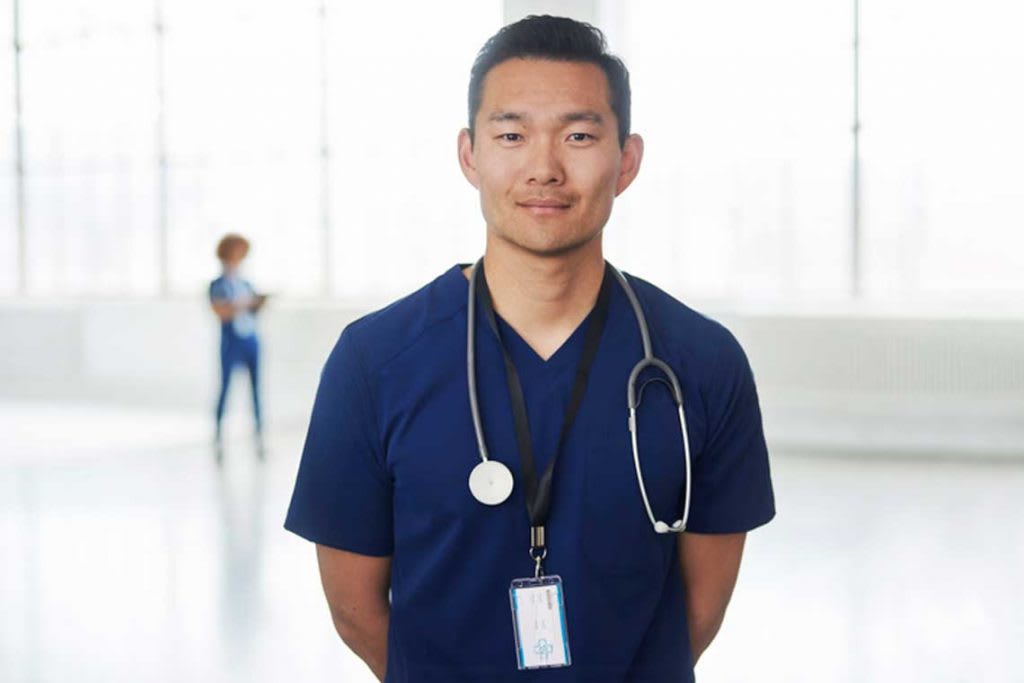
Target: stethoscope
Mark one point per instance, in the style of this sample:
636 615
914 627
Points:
491 481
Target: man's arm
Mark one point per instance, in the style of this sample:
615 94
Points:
710 564
356 587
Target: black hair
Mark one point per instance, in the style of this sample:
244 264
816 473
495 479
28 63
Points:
554 38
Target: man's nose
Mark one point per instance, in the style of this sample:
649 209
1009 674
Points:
545 164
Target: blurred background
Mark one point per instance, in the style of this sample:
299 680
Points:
839 182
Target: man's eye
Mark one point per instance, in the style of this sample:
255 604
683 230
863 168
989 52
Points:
510 137
581 137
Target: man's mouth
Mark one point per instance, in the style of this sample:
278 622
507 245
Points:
544 207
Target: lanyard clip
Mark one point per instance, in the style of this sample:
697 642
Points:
538 549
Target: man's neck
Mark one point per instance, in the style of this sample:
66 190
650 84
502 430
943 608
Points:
544 299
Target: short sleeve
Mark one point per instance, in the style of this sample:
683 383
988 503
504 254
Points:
343 491
732 488
218 291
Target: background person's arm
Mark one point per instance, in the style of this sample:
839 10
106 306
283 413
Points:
224 309
257 302
710 564
356 587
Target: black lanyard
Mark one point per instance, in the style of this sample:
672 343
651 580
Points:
538 493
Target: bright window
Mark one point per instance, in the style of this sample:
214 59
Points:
745 109
402 211
942 146
8 182
89 113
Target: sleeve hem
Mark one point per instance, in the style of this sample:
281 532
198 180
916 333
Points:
735 528
348 545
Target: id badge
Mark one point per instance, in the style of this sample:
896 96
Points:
538 620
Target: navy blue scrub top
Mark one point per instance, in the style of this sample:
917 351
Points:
390 446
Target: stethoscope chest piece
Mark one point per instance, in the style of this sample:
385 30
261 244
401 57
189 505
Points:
490 482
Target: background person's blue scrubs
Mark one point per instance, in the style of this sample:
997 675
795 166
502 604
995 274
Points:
391 444
239 344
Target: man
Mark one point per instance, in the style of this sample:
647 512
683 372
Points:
383 485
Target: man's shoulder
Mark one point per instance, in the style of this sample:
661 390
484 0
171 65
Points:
682 327
672 315
384 333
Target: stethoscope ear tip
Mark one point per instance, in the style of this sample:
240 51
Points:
661 527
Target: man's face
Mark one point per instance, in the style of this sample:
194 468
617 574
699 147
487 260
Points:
546 155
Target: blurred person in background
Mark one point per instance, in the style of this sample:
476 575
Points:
236 304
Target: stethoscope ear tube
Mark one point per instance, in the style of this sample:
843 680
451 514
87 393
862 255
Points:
631 395
649 360
660 527
474 406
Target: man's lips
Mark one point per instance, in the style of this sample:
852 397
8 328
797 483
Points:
557 203
543 207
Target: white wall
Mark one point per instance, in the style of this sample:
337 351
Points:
848 381
160 354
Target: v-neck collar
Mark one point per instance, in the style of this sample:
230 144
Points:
567 352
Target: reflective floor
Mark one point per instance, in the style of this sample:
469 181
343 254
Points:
126 554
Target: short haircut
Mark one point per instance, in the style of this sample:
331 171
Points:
228 243
557 39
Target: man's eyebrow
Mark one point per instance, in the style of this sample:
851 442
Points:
499 116
571 117
591 116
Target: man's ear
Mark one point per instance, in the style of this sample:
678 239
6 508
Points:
632 155
466 161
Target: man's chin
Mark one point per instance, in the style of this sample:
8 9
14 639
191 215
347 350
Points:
550 248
